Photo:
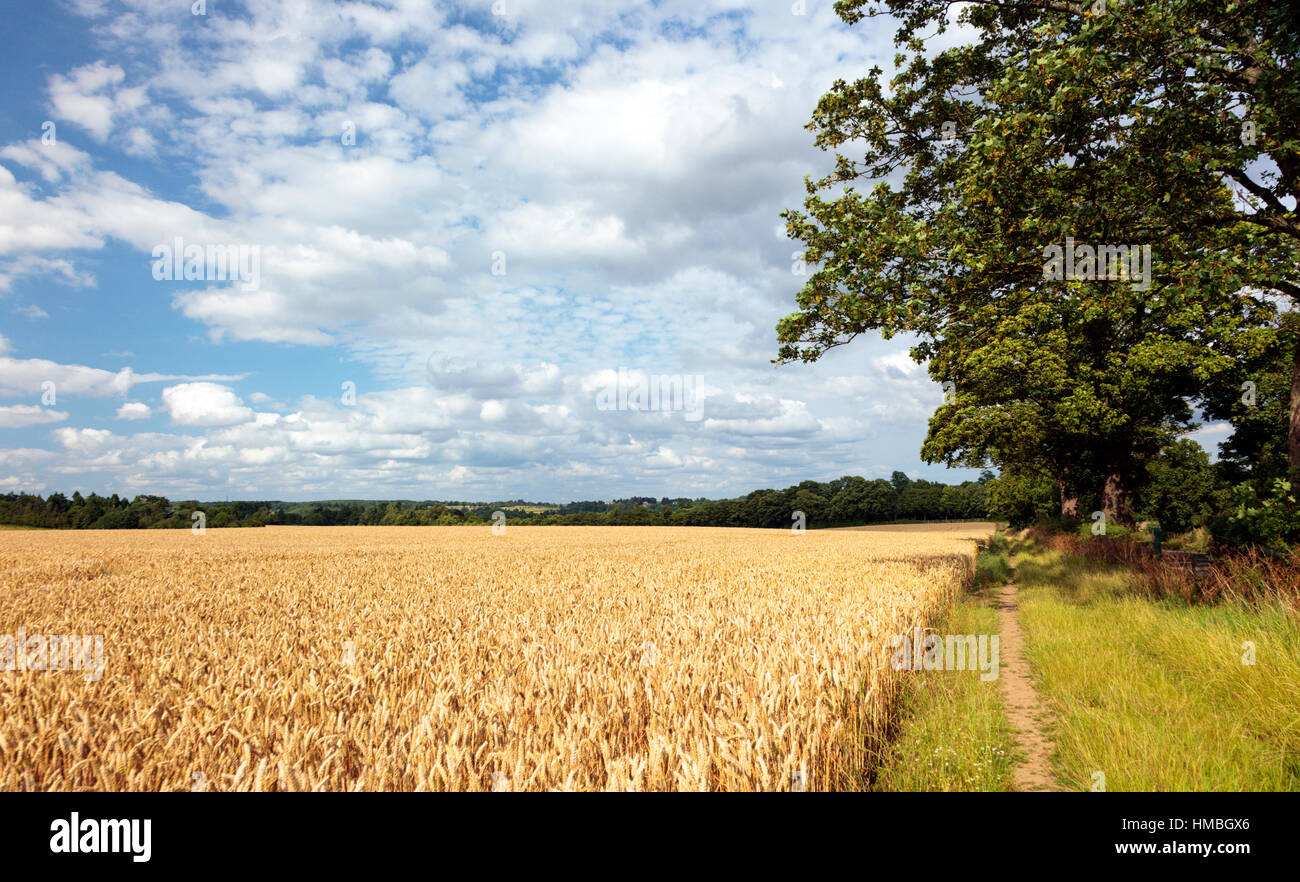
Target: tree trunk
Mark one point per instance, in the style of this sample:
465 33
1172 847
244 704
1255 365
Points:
1293 437
1069 503
1114 501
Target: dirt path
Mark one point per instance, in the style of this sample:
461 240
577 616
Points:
1025 709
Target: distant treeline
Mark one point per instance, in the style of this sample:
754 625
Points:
842 502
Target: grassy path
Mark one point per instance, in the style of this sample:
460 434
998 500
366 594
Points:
1102 688
1026 713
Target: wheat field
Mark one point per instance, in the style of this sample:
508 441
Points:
431 658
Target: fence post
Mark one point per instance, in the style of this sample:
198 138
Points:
1155 532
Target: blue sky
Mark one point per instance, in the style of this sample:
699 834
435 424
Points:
476 219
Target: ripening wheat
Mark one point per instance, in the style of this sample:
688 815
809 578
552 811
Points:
449 658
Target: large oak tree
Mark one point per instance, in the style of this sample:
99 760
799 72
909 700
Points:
1060 122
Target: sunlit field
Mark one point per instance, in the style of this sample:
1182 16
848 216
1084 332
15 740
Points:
408 658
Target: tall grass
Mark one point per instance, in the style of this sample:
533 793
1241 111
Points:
1157 693
1242 576
954 734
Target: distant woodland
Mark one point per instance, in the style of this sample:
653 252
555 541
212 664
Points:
845 501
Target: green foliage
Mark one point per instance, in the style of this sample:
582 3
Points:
845 501
1067 123
1257 403
1113 531
1022 498
1181 490
1270 521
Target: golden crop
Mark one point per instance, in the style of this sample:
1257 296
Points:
419 658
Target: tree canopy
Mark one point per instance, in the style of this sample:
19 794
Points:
1086 216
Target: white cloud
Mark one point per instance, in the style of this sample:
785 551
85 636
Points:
57 269
134 410
204 404
92 97
632 187
29 376
18 416
256 315
52 159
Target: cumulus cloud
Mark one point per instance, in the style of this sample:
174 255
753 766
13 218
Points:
483 221
204 404
93 95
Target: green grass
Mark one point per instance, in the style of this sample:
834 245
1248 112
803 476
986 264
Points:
1155 694
993 566
953 735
